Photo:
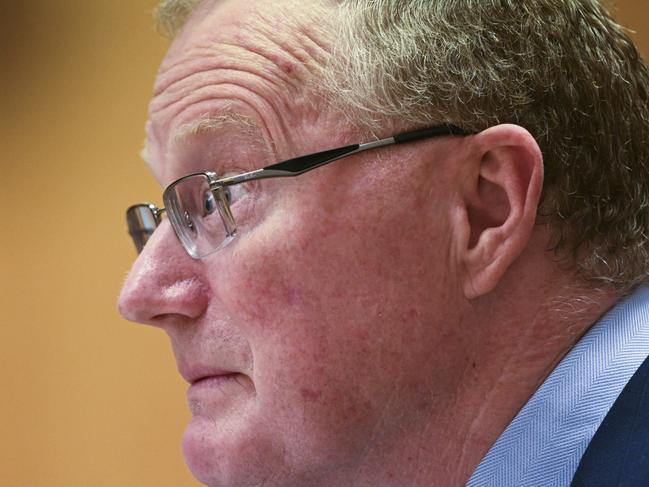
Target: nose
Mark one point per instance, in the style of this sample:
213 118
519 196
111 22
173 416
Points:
164 281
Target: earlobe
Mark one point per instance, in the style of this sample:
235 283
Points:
501 197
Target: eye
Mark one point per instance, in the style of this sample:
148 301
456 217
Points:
209 203
233 194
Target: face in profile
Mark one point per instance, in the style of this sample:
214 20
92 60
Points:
305 353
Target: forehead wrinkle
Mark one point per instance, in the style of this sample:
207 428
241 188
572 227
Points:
289 46
225 113
271 53
221 93
311 39
221 56
318 49
275 47
183 96
185 93
212 124
288 58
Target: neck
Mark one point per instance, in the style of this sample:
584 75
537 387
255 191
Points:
516 337
519 347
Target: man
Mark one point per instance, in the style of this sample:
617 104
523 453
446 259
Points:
458 304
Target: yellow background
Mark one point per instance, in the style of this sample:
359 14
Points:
87 399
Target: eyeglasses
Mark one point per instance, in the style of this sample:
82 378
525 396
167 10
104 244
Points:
204 209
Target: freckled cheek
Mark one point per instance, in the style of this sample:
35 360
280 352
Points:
323 401
311 273
283 272
266 291
319 354
310 277
300 337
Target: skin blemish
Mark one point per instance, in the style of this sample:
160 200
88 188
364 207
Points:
292 296
410 316
287 67
310 394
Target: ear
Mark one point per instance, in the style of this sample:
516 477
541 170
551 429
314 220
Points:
501 192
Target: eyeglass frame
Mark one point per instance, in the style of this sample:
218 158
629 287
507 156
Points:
288 168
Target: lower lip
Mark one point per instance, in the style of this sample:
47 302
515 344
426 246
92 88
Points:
215 386
220 391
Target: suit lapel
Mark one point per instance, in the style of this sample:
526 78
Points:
618 454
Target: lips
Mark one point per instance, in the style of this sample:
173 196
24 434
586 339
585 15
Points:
196 373
220 378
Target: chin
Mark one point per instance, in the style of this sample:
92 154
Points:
201 453
213 454
225 456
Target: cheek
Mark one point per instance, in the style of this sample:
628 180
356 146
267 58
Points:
321 300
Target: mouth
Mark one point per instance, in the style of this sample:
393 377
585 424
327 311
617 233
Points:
205 378
215 379
214 394
213 390
195 374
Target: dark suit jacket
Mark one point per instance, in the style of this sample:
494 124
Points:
618 455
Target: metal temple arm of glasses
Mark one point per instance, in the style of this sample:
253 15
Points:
302 164
428 133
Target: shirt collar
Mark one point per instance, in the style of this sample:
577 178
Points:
547 438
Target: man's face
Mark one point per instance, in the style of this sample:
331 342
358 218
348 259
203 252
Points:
326 330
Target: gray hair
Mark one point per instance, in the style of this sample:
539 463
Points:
170 15
562 69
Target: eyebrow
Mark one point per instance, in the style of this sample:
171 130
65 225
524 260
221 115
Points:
209 124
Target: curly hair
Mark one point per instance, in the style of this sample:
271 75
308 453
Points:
562 69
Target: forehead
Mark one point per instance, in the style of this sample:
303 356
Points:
246 63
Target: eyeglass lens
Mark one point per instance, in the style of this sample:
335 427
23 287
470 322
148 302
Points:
200 215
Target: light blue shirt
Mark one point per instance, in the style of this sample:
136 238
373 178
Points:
544 443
